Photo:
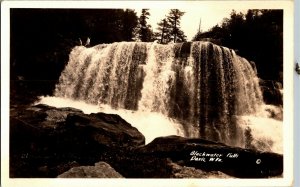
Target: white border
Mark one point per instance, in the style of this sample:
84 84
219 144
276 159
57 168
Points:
287 180
296 95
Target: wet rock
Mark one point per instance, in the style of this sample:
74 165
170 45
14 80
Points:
178 157
107 129
275 112
47 141
43 138
271 91
210 156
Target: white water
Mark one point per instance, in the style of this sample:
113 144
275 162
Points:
266 132
148 123
193 89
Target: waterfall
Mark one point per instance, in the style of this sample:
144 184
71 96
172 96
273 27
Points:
203 86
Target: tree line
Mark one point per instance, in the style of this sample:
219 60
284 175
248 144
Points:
41 39
256 35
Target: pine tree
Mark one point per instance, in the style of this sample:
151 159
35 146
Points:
169 28
144 30
177 35
163 34
130 22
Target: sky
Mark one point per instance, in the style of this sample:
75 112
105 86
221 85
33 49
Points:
190 21
210 12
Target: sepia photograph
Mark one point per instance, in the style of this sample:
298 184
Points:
185 90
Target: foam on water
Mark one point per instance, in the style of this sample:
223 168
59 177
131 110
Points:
193 89
150 124
266 133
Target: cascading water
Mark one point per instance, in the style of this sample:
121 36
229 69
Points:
204 87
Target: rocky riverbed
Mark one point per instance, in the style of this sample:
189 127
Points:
53 142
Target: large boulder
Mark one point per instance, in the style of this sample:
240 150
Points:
211 156
44 139
100 170
47 141
107 129
178 157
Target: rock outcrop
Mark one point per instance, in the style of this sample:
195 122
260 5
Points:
156 159
44 139
107 129
47 142
211 156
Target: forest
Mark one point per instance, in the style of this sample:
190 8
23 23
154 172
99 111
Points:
256 36
41 39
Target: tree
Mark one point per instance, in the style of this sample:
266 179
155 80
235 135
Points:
144 30
257 36
41 39
216 35
169 28
130 21
177 35
163 34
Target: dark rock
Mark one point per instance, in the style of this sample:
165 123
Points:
131 163
47 141
48 170
107 129
44 139
169 157
100 170
24 91
271 92
233 161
